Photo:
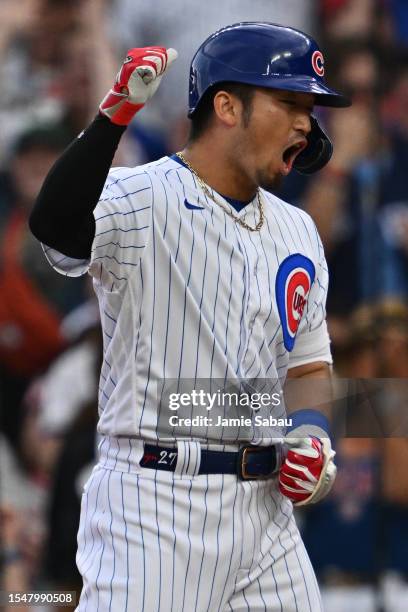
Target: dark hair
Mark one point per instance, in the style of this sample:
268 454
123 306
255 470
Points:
205 109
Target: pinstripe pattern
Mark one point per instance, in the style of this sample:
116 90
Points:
189 294
166 275
202 543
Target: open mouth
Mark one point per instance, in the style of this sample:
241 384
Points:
290 153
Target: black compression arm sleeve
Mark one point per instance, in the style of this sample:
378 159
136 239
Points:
62 217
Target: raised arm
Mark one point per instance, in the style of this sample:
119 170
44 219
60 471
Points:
62 217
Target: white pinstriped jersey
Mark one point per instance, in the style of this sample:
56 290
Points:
186 292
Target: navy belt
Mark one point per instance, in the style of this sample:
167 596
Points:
249 463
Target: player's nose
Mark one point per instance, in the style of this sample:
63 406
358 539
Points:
303 123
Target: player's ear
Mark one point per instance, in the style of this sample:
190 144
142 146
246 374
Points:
226 108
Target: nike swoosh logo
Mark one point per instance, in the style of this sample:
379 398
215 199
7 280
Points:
191 206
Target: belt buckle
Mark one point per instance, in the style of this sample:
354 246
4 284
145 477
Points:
243 452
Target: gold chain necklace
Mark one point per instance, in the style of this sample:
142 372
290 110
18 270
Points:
206 190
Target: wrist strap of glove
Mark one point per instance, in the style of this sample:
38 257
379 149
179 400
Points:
117 109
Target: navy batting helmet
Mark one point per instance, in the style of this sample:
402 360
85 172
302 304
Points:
272 56
264 55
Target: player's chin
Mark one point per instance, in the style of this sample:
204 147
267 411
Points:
271 180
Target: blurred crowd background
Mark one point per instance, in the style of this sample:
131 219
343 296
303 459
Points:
57 60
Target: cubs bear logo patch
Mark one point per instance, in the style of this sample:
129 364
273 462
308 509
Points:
294 278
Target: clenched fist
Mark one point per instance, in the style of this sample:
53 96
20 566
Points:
308 472
136 82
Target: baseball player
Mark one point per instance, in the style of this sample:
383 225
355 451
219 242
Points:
201 274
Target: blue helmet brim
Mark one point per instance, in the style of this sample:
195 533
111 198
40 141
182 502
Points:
324 96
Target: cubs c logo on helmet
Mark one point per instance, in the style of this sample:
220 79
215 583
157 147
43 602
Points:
318 63
293 281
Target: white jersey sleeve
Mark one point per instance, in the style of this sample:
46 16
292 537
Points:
312 339
122 227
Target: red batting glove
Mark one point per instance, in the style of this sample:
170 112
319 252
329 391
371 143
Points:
308 471
136 82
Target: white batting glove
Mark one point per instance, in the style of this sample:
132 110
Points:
308 472
136 82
